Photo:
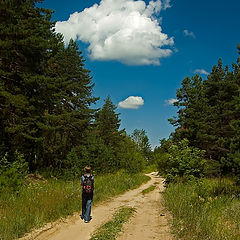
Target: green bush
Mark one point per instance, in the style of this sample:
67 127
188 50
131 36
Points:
234 158
162 160
12 173
182 161
212 168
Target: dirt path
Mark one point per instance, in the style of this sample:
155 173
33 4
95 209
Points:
149 222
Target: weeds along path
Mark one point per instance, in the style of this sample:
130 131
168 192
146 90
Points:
150 220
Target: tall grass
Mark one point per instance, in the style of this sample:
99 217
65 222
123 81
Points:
207 209
151 168
46 201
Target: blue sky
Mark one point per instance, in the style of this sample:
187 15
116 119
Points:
144 49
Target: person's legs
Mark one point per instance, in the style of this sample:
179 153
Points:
88 210
84 203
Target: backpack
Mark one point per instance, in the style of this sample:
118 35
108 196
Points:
88 184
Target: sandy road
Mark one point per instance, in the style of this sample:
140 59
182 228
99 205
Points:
150 220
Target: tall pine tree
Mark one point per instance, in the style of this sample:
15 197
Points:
68 117
107 125
25 33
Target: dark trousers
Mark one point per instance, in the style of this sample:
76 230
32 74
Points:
86 206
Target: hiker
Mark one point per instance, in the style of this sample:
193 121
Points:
87 182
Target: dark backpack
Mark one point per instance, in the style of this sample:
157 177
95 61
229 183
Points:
88 184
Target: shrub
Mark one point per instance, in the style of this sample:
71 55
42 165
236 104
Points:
162 160
182 161
12 173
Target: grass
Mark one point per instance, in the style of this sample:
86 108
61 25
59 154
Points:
110 230
46 201
149 189
151 168
207 209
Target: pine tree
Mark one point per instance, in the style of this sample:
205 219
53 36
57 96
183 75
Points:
192 105
220 92
68 116
25 33
234 151
107 125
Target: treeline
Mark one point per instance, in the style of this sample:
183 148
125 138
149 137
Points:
207 126
46 113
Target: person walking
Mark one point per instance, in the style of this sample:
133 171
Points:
87 182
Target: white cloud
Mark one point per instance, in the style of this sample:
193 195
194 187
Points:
131 103
166 4
121 30
201 71
189 34
171 101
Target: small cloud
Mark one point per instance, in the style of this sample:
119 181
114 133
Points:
201 71
166 4
189 34
131 103
170 101
175 50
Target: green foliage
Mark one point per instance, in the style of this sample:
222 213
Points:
182 161
141 140
12 173
162 160
25 45
150 168
67 119
131 158
73 165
